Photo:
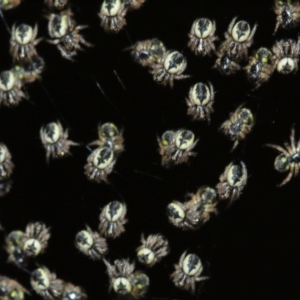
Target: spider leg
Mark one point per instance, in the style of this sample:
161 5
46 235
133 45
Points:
278 148
292 137
288 177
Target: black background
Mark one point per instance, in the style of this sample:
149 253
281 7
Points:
250 250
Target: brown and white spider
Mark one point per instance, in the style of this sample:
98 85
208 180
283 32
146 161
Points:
168 68
112 219
46 284
120 276
187 272
55 140
287 14
6 165
91 244
225 64
23 41
200 101
35 239
9 4
286 56
239 125
260 67
289 159
152 250
202 36
100 164
56 4
112 15
232 182
65 34
238 39
10 89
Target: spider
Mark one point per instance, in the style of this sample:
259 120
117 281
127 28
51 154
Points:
200 101
187 272
112 219
260 67
56 4
140 284
286 53
120 276
23 41
11 289
232 182
46 284
9 4
238 39
110 136
240 124
168 68
288 159
30 71
112 15
10 89
100 164
66 34
287 14
166 146
134 4
147 52
72 292
202 36
35 239
226 65
55 140
13 243
152 250
91 244
6 165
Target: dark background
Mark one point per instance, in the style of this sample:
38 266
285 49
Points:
250 250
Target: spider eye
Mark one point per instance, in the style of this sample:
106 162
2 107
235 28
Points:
145 256
167 137
23 34
122 286
84 240
286 65
175 62
111 7
175 213
103 158
40 279
200 94
51 133
203 28
191 264
241 31
114 210
282 163
7 80
184 139
235 175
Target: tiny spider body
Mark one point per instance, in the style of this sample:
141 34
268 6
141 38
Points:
13 247
100 164
232 182
6 164
239 125
55 140
187 272
11 289
152 250
287 14
35 239
23 41
147 52
260 67
66 35
286 56
72 292
238 39
112 15
56 4
289 158
9 4
91 244
200 101
110 137
168 68
202 37
112 219
10 89
120 276
46 284
226 65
